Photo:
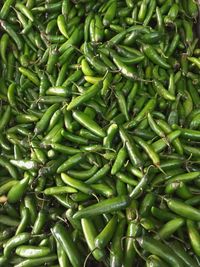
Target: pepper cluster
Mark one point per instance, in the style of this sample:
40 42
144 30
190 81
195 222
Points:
99 133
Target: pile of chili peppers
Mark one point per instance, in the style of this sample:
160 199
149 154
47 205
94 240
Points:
99 133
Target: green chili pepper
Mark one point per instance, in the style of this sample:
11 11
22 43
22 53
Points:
104 206
149 150
36 262
22 8
81 186
193 236
181 253
183 209
32 252
106 234
25 164
131 148
89 93
162 91
8 28
140 116
15 242
24 220
155 261
169 228
62 256
116 253
69 163
63 237
101 173
161 250
18 190
90 233
119 161
88 123
154 57
11 169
